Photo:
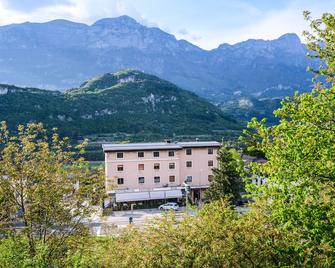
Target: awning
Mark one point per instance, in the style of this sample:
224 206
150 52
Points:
157 195
152 195
126 197
173 194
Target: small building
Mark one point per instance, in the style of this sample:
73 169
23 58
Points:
144 172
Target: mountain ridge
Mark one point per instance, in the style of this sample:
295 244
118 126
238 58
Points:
60 54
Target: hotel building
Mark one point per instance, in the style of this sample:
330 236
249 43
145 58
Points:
138 172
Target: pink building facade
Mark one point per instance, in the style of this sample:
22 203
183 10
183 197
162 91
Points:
158 171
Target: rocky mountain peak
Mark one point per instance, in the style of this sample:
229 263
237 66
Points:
109 80
118 21
290 42
290 38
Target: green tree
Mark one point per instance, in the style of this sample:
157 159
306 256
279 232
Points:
45 191
300 150
320 41
216 237
227 179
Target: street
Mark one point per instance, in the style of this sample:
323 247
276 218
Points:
102 225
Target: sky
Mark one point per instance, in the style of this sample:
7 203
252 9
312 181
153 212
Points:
205 23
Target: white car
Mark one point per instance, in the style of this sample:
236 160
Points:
169 206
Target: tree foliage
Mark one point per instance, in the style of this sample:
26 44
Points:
320 41
45 189
300 150
227 180
216 237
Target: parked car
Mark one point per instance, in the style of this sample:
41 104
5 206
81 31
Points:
169 206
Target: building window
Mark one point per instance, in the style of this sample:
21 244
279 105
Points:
188 178
172 166
156 154
120 181
188 151
140 166
171 153
140 154
156 166
157 179
188 163
210 150
119 155
210 163
172 178
119 167
140 179
210 178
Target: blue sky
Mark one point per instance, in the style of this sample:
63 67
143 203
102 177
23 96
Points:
206 23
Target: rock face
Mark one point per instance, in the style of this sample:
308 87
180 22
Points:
244 108
59 54
128 102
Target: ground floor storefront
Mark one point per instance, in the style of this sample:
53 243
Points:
135 199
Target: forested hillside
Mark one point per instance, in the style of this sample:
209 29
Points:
129 103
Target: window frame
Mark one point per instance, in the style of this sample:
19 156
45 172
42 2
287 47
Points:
210 163
210 151
172 165
159 179
174 178
119 153
138 154
120 180
140 178
188 151
119 168
140 165
155 152
171 153
157 165
189 164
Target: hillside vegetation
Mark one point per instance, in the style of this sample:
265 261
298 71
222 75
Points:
128 103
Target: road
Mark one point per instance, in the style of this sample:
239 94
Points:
120 219
106 225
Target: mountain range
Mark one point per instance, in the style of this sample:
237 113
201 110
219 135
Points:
60 54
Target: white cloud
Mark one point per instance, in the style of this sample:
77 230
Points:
86 11
268 24
273 24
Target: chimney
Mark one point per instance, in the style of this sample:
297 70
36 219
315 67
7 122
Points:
196 139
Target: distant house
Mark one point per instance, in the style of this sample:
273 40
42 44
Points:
259 180
142 172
